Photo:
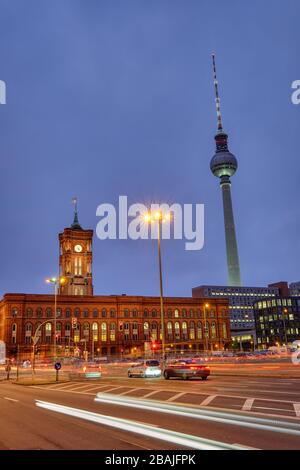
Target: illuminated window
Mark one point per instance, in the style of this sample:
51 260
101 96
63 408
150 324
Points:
192 330
153 331
103 332
199 330
224 331
176 313
184 330
213 330
177 330
146 331
95 331
112 328
169 330
78 266
86 331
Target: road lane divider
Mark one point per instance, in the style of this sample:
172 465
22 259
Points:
181 439
236 419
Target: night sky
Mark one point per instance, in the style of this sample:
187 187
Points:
106 98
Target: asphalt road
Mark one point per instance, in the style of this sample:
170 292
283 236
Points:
66 416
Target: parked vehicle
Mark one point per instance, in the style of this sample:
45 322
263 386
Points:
146 368
186 370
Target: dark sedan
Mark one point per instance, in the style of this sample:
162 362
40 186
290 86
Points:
186 370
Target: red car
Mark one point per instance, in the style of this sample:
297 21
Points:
186 370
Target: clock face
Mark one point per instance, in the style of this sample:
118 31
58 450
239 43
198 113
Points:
78 248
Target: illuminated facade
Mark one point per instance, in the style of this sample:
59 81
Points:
106 325
277 321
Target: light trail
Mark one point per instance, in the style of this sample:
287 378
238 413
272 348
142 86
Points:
207 415
186 440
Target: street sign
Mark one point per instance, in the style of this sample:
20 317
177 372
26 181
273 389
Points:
57 366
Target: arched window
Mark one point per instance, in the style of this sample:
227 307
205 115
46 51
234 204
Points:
85 313
177 330
192 330
86 331
14 333
213 330
176 313
224 331
95 313
146 313
135 331
192 313
48 329
14 312
76 312
103 313
153 331
135 313
206 330
112 313
126 331
184 330
48 312
28 333
146 331
112 328
154 313
39 312
199 330
68 329
29 313
169 330
68 313
95 331
103 332
77 333
58 332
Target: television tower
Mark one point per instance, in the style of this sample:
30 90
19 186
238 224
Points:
224 165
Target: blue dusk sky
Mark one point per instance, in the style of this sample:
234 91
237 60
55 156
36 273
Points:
115 97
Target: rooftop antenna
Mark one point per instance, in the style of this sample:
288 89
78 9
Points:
218 101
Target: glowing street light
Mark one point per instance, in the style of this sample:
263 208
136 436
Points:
55 281
159 217
206 328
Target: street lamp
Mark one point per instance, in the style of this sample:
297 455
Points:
205 329
285 311
55 281
160 218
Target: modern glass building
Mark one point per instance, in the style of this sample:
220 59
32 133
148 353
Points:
277 321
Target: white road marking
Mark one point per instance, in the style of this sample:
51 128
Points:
175 397
205 414
248 404
181 439
208 400
10 399
127 391
297 409
151 393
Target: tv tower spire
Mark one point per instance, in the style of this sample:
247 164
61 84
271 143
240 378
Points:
224 165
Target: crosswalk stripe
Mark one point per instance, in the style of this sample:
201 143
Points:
208 400
175 397
248 404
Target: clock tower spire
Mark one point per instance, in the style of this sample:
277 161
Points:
75 260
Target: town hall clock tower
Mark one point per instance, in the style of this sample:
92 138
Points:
75 260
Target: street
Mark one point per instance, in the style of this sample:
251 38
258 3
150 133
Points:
251 412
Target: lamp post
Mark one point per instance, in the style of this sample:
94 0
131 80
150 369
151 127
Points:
285 310
55 281
160 218
205 329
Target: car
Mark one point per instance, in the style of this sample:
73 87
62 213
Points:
186 370
147 368
91 370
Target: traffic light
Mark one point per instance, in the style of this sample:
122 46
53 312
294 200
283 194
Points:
154 346
121 326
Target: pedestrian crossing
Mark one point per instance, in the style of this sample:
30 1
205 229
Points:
272 407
